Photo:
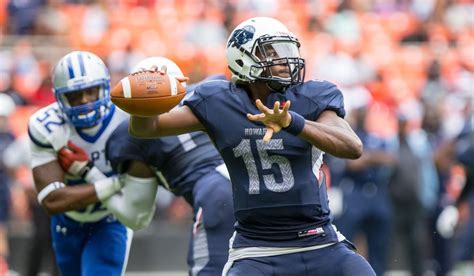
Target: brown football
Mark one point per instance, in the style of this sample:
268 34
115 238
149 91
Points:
147 93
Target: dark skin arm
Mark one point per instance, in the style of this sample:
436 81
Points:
139 169
369 159
329 132
333 135
178 121
65 199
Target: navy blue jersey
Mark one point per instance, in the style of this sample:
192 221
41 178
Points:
278 195
181 159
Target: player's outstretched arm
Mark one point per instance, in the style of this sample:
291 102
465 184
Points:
178 121
333 135
329 133
135 205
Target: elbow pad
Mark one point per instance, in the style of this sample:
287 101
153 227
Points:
135 205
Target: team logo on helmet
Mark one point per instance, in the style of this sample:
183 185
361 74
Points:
242 36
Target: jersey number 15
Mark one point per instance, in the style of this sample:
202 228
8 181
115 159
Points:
266 161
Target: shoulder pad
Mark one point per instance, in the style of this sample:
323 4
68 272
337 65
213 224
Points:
48 128
212 86
315 87
325 94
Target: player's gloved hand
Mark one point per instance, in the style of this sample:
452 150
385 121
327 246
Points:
447 221
274 119
108 186
74 160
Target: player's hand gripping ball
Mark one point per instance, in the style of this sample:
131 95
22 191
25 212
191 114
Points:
148 92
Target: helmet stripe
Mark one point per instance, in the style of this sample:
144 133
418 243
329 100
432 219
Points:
69 68
81 64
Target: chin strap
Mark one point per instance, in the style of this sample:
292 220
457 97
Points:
276 86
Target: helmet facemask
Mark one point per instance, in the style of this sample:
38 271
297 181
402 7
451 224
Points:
279 53
89 114
263 49
79 71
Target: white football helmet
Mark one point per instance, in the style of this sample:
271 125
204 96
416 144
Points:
74 72
270 39
161 63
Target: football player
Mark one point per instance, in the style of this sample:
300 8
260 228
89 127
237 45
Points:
272 129
87 239
364 187
187 165
7 107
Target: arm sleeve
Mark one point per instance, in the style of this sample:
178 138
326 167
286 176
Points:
48 133
135 205
42 151
323 95
121 147
333 100
195 103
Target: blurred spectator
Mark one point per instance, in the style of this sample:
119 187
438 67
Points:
459 15
412 189
6 77
454 225
25 75
95 24
44 93
121 61
464 241
434 89
205 32
51 20
431 124
344 23
16 156
22 15
7 106
366 202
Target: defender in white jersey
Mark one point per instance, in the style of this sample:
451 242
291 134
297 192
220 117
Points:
87 239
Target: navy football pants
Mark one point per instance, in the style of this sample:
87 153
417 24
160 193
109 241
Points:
213 225
335 260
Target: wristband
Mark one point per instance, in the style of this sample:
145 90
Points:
296 125
49 189
93 175
105 188
79 168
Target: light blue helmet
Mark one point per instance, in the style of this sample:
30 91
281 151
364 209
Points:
76 71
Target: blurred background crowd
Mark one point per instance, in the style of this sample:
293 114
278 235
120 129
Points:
406 68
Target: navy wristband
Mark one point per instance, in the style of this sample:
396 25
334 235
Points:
296 125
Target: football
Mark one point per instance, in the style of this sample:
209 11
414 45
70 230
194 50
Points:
147 93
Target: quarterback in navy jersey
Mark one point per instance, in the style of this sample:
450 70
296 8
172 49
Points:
272 130
188 165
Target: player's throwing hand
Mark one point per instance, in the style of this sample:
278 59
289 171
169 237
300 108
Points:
274 119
